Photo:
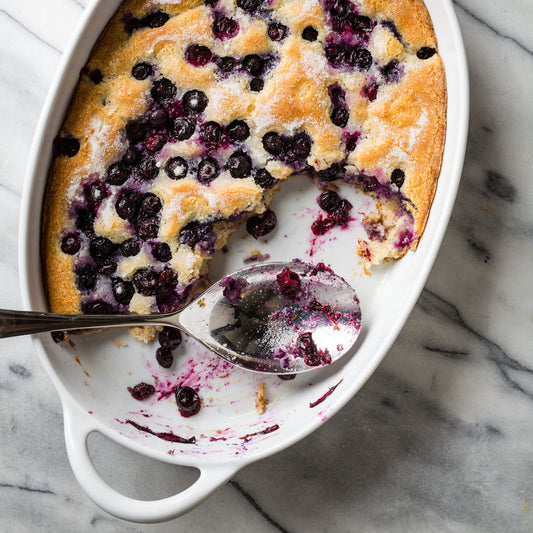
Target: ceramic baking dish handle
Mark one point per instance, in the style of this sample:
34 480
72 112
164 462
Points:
76 432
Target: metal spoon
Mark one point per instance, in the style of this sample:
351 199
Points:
307 318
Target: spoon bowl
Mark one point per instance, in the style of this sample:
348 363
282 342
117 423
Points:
281 318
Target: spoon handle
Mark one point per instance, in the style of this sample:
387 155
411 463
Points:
15 323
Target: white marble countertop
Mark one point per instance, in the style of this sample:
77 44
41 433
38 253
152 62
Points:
439 439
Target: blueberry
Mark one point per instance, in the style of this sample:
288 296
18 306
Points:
127 204
239 165
261 225
166 280
186 398
340 9
426 52
225 27
361 24
123 290
150 205
310 34
95 192
86 278
207 170
130 247
322 225
264 178
164 357
176 168
101 248
341 214
238 130
163 90
135 131
301 145
117 174
97 307
148 228
274 143
226 64
158 118
67 146
131 157
155 19
145 281
335 53
360 58
340 116
212 132
370 89
183 128
195 232
334 172
253 64
250 5
170 338
96 76
289 283
392 71
257 85
397 177
195 101
329 201
277 31
107 267
141 391
198 55
85 220
71 244
161 252
155 142
141 70
147 169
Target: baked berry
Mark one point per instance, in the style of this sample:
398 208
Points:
339 116
101 248
176 168
96 76
127 204
360 58
239 165
195 232
253 64
397 177
341 215
107 267
187 399
155 19
226 64
334 53
225 27
58 336
130 247
135 131
147 169
289 283
238 130
123 290
164 357
370 89
251 6
277 31
155 142
301 145
257 85
67 146
334 172
145 281
195 101
183 128
131 157
261 225
141 70
166 280
148 228
310 34
198 55
322 225
211 132
329 201
426 52
392 71
169 338
161 252
361 24
264 178
141 391
309 351
150 205
340 9
207 170
163 90
86 278
71 244
95 192
351 141
274 143
157 118
117 174
97 307
85 220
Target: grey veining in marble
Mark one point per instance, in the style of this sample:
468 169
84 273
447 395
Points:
440 438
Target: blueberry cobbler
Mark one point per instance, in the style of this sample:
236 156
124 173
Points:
189 113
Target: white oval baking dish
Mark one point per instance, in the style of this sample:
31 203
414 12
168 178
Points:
92 378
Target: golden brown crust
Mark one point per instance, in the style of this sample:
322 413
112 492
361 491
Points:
403 127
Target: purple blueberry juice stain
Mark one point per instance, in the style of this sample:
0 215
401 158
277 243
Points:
324 396
168 436
265 431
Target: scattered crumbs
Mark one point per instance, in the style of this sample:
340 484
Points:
526 508
201 302
260 401
335 327
222 376
128 372
244 237
254 256
71 343
77 359
119 344
485 208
